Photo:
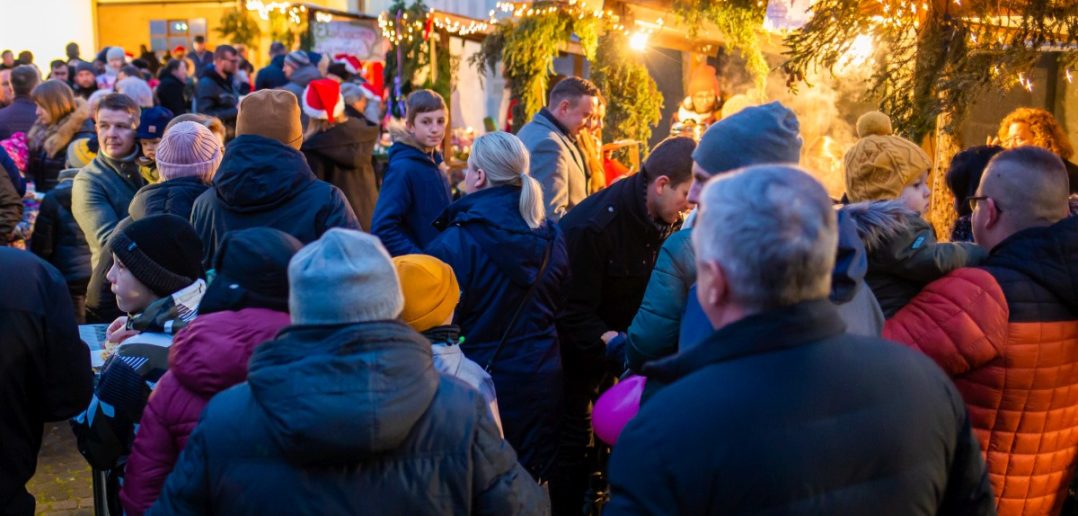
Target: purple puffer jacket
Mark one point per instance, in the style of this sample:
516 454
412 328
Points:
207 357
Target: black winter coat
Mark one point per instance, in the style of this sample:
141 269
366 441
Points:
341 156
171 94
348 420
44 368
59 240
496 258
613 245
272 76
172 197
264 183
784 413
216 95
11 207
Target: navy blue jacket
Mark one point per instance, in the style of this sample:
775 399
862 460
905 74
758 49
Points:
782 412
414 193
58 239
272 76
496 258
348 420
264 183
174 197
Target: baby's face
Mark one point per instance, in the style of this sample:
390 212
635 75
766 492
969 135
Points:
915 196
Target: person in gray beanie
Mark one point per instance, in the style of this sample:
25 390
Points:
344 410
300 71
669 316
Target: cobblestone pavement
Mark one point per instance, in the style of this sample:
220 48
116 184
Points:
62 484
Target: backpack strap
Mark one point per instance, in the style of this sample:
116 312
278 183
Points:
489 368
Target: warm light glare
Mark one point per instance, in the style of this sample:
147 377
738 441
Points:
638 41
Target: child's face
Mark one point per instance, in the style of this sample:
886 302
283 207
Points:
131 295
428 128
149 147
915 196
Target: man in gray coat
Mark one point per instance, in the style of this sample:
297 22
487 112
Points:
103 189
556 160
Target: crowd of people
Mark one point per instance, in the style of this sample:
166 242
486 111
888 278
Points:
283 330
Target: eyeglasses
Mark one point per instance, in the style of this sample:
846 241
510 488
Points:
972 201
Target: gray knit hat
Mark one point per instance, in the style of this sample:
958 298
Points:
344 277
115 53
298 59
756 135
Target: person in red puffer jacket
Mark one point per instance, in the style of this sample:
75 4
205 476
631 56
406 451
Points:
1007 332
245 305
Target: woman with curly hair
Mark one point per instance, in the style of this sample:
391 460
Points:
1037 127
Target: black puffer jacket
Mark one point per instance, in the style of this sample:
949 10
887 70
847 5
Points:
58 239
172 197
341 156
216 95
783 413
264 183
348 420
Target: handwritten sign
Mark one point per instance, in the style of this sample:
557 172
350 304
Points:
359 38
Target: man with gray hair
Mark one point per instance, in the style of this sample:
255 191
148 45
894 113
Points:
780 410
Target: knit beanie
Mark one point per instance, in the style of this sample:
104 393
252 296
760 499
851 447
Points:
273 114
83 66
756 135
879 167
82 151
873 122
672 158
152 122
344 277
298 59
115 53
251 271
163 252
322 100
188 149
430 290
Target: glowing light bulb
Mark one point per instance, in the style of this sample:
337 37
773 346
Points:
638 41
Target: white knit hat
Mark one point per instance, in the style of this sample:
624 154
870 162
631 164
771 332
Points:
344 277
188 149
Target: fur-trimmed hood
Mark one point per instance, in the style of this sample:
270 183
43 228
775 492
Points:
879 222
55 137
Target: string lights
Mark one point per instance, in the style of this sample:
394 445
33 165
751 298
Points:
294 12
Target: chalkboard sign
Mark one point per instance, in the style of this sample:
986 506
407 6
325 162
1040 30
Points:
360 38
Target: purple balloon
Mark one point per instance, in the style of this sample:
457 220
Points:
616 407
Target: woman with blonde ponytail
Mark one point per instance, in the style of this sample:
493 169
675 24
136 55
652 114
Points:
511 263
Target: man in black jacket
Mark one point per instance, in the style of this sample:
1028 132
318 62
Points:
272 76
216 93
172 90
44 368
613 239
780 411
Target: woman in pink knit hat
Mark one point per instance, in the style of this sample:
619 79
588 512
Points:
187 158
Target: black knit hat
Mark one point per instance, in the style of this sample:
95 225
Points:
251 271
163 252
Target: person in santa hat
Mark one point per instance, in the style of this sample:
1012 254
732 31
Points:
339 148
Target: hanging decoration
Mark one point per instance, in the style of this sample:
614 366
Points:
635 104
527 44
414 37
933 58
739 21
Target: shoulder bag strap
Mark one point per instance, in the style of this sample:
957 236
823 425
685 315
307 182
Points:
489 368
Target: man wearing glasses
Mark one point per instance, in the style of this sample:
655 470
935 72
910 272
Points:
1018 369
216 94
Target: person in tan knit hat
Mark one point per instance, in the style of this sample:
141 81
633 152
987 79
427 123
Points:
273 114
431 294
887 178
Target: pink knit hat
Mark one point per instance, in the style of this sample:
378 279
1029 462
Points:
188 149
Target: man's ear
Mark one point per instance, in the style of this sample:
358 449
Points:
717 290
993 213
660 184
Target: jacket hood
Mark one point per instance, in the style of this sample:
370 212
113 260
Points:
55 137
172 197
342 142
259 173
878 222
407 150
493 219
305 75
851 261
1047 255
211 354
339 394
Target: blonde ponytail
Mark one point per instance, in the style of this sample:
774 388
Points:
504 159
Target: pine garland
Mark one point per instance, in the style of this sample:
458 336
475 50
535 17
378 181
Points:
634 102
